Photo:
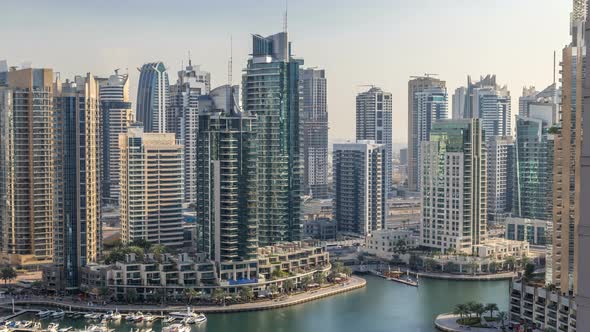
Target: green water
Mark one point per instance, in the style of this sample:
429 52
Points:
381 306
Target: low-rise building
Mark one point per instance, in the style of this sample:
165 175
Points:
387 243
319 228
541 308
500 248
534 231
173 274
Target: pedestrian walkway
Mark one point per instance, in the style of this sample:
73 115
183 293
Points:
351 284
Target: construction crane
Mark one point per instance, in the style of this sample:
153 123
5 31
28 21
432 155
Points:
427 75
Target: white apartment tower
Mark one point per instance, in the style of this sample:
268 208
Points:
360 187
454 186
151 175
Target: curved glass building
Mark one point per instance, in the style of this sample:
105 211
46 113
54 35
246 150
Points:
152 97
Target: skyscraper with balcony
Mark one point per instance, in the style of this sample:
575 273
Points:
27 172
78 230
454 186
373 123
314 122
271 93
227 182
566 308
360 193
533 195
151 187
417 85
153 93
182 119
501 163
116 116
431 106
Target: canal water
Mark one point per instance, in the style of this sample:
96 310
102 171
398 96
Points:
381 306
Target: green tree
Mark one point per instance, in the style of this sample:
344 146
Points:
493 267
491 307
510 261
305 281
144 244
158 250
288 285
450 267
429 264
461 310
273 289
502 317
473 266
7 274
319 278
132 296
190 294
337 267
471 307
246 294
347 270
479 309
218 295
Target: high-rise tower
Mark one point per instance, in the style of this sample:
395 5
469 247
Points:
314 122
373 123
27 173
153 97
416 85
183 119
78 231
227 182
271 93
116 116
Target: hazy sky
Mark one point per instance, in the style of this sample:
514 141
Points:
380 42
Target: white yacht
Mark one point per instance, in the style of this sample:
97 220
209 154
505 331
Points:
58 314
44 313
176 328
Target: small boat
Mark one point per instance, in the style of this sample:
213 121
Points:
44 313
199 318
65 329
89 315
36 326
130 317
188 320
138 317
149 317
116 315
169 319
58 314
25 324
53 327
176 328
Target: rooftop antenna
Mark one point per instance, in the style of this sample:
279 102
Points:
554 59
285 20
230 62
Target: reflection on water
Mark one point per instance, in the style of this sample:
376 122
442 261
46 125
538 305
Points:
381 306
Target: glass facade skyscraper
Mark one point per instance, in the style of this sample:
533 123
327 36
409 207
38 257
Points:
227 186
153 97
271 92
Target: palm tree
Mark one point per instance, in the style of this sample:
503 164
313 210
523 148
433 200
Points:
510 261
479 309
502 316
7 273
305 281
273 289
491 307
460 309
471 307
190 293
218 295
246 294
429 264
288 285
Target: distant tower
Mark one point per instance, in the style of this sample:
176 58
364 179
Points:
152 97
360 187
417 85
116 116
374 122
183 119
314 120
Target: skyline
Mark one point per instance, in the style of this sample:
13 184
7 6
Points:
108 40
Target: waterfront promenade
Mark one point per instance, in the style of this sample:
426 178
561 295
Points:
467 277
353 283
